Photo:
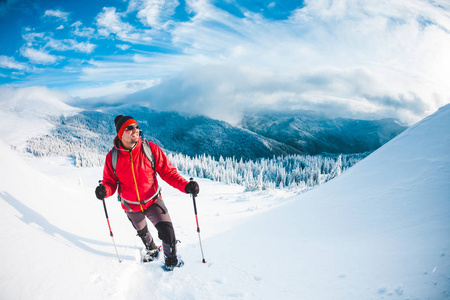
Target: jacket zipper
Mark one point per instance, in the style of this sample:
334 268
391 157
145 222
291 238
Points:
135 181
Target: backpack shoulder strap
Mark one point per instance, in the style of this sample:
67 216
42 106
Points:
114 157
148 152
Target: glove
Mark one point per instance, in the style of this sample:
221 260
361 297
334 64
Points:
192 188
100 192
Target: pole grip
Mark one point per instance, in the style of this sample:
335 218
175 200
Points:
195 205
193 199
104 207
103 200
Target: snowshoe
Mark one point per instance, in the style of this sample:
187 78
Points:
172 263
150 255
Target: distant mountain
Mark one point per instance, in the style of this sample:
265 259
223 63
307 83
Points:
87 136
312 134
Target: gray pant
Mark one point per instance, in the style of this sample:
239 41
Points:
158 214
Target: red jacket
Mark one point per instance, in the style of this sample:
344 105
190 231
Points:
142 183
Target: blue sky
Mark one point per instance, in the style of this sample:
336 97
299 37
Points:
346 58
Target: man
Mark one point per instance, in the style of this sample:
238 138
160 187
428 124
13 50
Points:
129 167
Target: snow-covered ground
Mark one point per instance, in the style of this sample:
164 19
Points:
379 231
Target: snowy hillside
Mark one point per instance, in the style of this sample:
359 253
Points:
379 231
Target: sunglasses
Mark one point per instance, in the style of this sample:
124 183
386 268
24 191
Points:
131 127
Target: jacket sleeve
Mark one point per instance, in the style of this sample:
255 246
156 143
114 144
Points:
165 169
109 178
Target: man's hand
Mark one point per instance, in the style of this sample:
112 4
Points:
100 192
192 188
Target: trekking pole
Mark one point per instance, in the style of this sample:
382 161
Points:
198 227
110 231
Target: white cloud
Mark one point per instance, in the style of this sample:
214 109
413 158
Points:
38 56
57 14
123 47
137 67
7 62
110 22
110 93
154 13
69 45
45 42
33 37
83 31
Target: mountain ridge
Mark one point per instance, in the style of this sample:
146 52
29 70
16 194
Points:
313 134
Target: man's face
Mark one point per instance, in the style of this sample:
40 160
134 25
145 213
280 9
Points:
131 134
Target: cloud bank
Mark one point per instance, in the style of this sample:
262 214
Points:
361 59
346 58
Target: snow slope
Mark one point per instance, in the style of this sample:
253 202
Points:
30 107
379 231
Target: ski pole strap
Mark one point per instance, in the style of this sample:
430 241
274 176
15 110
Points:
125 201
